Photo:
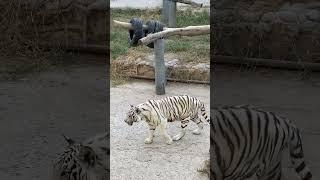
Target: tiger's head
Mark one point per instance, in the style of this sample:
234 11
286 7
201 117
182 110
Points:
132 115
79 160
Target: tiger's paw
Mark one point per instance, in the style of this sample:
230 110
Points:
148 141
169 141
177 137
204 167
196 132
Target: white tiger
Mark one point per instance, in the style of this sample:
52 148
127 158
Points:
249 143
85 160
159 112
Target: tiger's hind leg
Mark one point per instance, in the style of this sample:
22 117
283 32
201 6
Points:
199 123
184 124
274 173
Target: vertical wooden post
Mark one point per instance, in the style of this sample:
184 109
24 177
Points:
169 16
159 68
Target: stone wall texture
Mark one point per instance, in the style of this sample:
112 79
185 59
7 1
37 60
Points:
175 68
271 29
72 21
57 21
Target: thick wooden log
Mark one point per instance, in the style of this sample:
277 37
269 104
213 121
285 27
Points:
128 26
186 31
194 4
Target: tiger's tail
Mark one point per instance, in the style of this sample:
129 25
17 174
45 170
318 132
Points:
297 155
204 114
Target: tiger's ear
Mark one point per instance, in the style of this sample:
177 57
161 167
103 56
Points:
137 110
131 106
69 140
87 156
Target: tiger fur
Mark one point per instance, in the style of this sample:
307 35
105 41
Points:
83 161
249 143
159 112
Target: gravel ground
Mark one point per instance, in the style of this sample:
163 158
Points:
132 159
35 110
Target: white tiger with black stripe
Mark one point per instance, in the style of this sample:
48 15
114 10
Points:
159 112
85 160
249 143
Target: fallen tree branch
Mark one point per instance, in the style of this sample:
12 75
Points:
282 64
186 31
128 26
195 4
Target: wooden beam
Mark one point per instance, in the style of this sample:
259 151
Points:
128 26
186 31
194 4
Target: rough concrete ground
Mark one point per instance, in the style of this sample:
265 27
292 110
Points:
36 110
280 91
132 159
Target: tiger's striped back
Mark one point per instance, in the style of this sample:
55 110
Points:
249 143
83 161
178 107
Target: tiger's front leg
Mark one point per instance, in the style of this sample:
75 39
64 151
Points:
199 123
149 139
184 124
163 129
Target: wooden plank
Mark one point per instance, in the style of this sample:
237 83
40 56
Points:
194 4
128 26
187 31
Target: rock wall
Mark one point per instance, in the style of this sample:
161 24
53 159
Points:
175 68
58 21
271 29
72 21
